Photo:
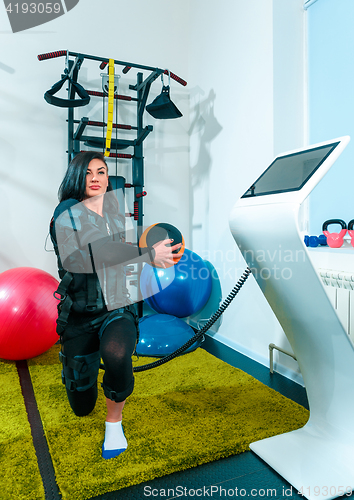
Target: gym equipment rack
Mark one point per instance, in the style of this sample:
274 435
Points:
77 128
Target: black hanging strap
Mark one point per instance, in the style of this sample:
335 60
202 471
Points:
65 304
67 103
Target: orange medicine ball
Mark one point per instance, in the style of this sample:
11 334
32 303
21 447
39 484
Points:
162 231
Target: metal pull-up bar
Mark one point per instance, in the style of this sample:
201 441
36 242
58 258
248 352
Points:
104 61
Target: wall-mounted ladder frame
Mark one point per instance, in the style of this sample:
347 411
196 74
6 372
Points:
77 128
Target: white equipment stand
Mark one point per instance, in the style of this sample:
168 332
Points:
318 459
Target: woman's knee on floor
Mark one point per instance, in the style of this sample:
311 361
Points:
79 375
82 403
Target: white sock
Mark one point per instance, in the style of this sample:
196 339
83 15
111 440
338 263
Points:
114 440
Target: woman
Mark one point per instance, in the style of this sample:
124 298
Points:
95 319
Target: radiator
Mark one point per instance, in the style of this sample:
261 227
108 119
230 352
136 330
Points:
340 290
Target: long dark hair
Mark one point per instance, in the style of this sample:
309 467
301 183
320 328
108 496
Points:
74 182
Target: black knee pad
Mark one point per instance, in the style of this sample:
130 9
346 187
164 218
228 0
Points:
118 397
80 372
82 403
124 312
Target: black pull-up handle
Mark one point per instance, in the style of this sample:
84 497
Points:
125 69
175 77
51 55
166 72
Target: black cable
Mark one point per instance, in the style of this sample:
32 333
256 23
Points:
205 328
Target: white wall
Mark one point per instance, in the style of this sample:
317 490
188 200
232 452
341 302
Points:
243 61
289 75
33 134
247 102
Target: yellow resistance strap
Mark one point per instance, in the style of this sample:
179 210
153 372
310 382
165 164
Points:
110 106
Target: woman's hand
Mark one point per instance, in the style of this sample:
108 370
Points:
163 252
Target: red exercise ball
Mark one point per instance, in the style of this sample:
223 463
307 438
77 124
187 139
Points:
28 313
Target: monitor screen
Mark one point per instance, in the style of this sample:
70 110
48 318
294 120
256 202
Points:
290 172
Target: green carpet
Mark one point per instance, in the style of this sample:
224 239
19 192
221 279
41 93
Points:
192 410
20 478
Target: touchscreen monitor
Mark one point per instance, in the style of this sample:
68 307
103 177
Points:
290 172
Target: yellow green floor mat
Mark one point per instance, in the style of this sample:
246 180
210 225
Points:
192 410
20 478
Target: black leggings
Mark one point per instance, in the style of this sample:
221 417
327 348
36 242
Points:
116 347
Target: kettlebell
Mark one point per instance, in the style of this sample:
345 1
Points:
351 231
334 240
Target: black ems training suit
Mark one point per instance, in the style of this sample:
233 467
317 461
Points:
95 319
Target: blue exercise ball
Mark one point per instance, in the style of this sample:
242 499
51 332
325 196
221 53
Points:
162 334
180 290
